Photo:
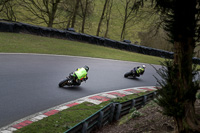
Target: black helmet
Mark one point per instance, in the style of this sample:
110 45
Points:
86 68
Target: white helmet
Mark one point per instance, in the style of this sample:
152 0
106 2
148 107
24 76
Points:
144 66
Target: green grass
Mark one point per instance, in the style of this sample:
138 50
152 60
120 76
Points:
61 121
66 119
26 43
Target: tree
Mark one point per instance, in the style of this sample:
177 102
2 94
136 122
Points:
177 95
75 13
108 15
102 17
86 10
44 11
130 8
6 7
68 7
72 10
8 10
2 4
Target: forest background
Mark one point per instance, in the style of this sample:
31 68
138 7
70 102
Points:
114 19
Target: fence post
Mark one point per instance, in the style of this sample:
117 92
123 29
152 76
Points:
112 112
145 100
133 103
85 126
100 119
119 107
154 94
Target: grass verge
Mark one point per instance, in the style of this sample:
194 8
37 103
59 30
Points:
26 43
68 118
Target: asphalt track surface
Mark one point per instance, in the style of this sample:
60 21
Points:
29 82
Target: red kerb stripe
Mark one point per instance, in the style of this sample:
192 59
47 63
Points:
22 124
133 91
51 112
146 89
72 104
99 98
117 94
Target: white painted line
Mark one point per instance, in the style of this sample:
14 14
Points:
62 108
79 101
97 102
124 92
108 96
6 131
138 89
9 130
37 118
153 88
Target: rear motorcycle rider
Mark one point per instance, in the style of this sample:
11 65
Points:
80 74
139 70
135 72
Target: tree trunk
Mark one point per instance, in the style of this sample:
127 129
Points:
75 13
189 123
50 24
123 31
69 22
181 25
108 18
184 46
124 23
102 17
183 58
84 16
52 11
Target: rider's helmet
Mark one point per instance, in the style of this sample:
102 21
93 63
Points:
86 68
144 66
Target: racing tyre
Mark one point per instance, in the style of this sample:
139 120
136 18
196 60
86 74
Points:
63 83
127 74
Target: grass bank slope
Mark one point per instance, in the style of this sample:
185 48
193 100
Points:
26 43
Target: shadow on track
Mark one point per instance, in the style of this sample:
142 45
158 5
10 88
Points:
134 78
72 88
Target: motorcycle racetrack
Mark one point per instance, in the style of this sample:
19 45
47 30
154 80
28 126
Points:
29 82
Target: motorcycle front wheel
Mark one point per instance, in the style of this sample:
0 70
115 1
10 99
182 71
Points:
63 83
127 74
